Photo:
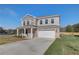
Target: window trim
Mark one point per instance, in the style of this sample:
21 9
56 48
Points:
28 23
46 21
41 22
24 23
52 21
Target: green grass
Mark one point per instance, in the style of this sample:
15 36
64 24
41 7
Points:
66 45
9 38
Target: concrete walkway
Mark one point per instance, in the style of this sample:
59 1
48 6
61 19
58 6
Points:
26 47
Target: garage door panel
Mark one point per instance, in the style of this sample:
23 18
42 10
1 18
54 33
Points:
46 34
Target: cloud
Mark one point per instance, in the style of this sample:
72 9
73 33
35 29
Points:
8 11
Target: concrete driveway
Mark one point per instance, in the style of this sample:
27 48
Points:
26 47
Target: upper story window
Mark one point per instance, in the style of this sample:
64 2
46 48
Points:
28 23
40 21
24 23
46 21
52 20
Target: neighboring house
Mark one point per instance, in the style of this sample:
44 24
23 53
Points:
40 27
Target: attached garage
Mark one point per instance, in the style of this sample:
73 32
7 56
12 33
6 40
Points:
46 34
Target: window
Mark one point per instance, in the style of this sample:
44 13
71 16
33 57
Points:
24 23
40 21
52 20
46 21
27 22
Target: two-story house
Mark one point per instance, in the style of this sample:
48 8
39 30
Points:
39 27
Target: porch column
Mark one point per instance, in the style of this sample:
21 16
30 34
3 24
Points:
17 32
31 33
24 31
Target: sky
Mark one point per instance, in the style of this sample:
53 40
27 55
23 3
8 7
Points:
11 14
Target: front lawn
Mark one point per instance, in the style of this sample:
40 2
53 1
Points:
9 38
66 45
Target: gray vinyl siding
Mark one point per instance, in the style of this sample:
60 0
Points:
56 21
43 27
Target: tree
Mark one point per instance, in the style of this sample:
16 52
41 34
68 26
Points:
2 31
69 28
11 31
1 28
62 29
76 27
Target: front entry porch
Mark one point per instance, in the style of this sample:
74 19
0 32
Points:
27 32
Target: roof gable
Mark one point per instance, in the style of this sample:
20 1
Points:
28 17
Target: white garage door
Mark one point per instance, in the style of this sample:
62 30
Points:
46 34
